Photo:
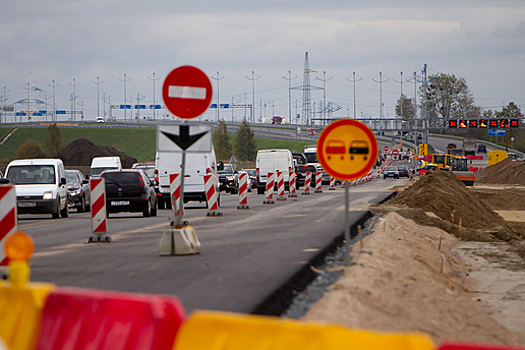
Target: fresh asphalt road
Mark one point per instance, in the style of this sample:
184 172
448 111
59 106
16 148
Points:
246 254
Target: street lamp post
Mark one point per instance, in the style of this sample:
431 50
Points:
253 78
125 80
98 82
154 105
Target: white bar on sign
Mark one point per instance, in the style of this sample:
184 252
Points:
197 93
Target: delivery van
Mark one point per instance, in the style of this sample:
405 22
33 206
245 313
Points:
197 165
100 164
273 160
40 186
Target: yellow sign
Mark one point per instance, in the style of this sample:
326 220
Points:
347 149
423 149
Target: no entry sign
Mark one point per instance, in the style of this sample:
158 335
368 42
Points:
187 92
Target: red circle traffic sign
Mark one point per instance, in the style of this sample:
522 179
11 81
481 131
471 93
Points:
386 149
187 92
395 152
347 149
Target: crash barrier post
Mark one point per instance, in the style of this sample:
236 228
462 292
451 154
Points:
21 313
332 184
212 196
280 186
269 189
98 210
318 182
8 221
175 195
307 182
224 330
291 184
243 190
75 318
179 241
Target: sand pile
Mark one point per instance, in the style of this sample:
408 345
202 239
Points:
81 152
505 172
442 194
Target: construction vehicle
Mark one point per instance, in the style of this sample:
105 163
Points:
469 146
459 167
450 147
496 157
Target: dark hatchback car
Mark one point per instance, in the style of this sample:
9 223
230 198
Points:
403 171
129 190
300 172
78 192
482 148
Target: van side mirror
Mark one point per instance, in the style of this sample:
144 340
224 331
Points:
87 176
220 166
63 181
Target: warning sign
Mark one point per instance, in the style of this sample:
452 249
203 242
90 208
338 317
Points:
347 149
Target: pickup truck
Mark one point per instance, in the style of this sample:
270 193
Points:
228 179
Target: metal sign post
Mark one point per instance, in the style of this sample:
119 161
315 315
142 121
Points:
347 223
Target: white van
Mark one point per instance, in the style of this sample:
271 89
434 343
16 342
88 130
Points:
272 160
197 165
100 164
40 186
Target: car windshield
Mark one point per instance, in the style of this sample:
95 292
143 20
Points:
227 170
122 178
305 169
98 171
31 174
71 177
391 168
402 168
251 172
150 171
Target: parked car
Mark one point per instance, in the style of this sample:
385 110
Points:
481 148
300 172
391 171
78 191
403 171
129 190
228 179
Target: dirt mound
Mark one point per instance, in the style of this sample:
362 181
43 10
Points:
502 199
505 172
81 151
448 198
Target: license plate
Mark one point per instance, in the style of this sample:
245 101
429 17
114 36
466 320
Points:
116 203
27 204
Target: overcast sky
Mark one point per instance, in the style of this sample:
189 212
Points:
481 41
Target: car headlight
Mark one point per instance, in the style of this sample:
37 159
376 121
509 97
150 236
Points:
229 178
75 192
48 195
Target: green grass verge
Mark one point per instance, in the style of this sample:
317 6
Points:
139 143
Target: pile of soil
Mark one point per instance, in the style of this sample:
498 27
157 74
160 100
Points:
505 172
81 151
442 194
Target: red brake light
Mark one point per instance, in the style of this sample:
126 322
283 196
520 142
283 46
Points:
141 181
156 171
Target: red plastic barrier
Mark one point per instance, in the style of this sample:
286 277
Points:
470 346
474 169
475 157
78 319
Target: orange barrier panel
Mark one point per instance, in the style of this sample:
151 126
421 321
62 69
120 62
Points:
78 319
227 331
21 313
470 346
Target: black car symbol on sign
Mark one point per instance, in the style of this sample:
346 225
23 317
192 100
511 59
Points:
335 147
359 147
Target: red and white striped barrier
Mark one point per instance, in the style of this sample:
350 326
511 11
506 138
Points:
318 182
270 179
98 209
332 184
8 222
291 184
175 195
243 190
307 182
212 196
280 186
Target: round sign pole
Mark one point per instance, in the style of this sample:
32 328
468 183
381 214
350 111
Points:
347 150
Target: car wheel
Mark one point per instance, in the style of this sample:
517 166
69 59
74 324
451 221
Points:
56 215
154 210
147 210
82 207
384 177
65 212
260 190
